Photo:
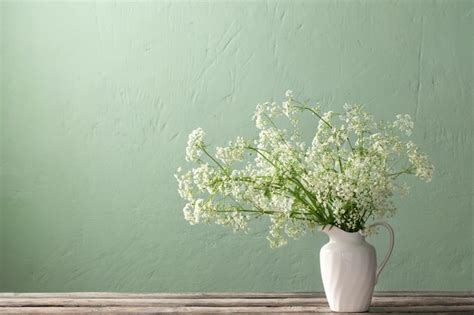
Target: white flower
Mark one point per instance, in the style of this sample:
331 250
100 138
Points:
185 185
188 212
289 94
423 167
404 123
264 113
199 210
203 176
195 145
258 116
357 120
346 177
275 236
234 152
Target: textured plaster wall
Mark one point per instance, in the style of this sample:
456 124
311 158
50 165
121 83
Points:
98 99
1 145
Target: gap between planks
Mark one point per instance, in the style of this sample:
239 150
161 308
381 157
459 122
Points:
248 295
233 302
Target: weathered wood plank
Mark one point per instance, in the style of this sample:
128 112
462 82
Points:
180 309
424 308
421 300
162 302
377 301
281 303
224 310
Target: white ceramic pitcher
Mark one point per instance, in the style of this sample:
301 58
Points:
349 269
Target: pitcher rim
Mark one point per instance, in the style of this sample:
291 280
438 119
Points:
328 227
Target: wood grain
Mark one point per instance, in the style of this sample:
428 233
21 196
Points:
250 302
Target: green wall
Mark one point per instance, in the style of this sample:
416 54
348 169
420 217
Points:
1 145
99 97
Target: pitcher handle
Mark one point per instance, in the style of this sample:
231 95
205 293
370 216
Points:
390 249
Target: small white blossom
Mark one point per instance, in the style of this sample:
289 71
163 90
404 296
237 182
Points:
423 167
234 152
275 236
185 185
195 145
203 176
404 123
188 212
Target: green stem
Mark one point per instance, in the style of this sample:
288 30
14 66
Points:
261 154
213 159
406 171
350 144
340 163
248 210
303 106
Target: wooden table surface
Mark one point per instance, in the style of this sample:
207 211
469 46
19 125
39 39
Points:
277 303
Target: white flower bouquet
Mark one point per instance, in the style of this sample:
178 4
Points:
345 177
